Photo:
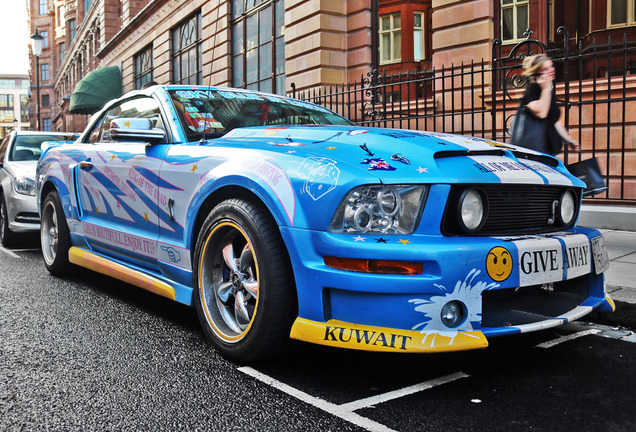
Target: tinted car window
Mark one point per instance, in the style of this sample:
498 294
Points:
28 147
215 112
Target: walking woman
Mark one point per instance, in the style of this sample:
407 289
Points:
540 99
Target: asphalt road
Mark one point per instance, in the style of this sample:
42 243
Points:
90 353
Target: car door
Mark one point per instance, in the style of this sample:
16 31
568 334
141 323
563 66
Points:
117 185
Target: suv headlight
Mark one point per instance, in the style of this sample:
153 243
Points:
24 186
379 210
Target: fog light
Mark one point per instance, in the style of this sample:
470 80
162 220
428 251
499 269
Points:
453 314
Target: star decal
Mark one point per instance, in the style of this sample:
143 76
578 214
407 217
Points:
146 218
112 157
194 167
97 210
380 240
359 238
127 123
331 148
291 152
422 170
404 242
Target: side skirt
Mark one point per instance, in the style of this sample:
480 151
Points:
119 271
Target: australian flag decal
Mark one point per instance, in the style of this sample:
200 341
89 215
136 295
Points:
377 164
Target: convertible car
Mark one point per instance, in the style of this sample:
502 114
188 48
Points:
277 219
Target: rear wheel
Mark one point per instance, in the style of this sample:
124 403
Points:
244 292
7 237
55 236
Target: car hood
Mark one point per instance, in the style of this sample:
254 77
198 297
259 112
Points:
405 156
22 169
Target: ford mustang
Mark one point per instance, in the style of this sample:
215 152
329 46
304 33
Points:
278 219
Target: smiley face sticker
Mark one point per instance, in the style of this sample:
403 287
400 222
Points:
499 264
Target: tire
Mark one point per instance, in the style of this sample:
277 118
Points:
244 291
55 236
7 237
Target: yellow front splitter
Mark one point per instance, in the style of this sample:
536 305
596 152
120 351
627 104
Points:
369 338
113 269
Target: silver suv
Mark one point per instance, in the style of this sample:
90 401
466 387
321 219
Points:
19 154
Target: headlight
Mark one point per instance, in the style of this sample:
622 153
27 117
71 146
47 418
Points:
24 186
567 207
379 210
472 210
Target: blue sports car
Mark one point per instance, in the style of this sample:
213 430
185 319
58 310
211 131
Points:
278 219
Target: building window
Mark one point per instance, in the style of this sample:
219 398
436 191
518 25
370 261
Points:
621 13
62 51
45 100
6 108
44 7
72 30
24 109
45 40
44 75
514 20
390 38
186 52
87 6
258 45
46 124
418 36
143 67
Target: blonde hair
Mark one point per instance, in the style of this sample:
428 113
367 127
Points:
532 64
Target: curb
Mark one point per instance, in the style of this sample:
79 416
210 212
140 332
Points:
624 316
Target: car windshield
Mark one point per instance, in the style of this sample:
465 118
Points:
214 113
28 147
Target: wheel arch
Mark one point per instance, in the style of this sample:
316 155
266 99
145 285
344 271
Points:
221 194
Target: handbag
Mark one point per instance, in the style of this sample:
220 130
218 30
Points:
529 131
589 172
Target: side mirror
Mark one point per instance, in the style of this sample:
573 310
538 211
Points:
135 129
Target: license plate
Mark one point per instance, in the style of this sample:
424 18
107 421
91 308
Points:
599 253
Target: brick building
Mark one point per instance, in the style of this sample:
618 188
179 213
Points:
291 45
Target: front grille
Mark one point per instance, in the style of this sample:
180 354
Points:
511 209
26 217
513 307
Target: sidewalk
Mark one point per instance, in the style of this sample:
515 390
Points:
620 279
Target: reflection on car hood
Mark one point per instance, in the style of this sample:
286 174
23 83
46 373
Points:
22 169
395 155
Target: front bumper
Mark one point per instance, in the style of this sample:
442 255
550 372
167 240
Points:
548 281
22 212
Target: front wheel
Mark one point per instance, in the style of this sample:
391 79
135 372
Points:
7 237
55 236
244 293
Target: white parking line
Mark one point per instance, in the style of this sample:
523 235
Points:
8 252
378 399
567 338
345 411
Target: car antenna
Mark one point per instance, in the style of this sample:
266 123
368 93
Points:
74 134
206 118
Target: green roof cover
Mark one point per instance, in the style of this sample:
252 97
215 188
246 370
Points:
95 89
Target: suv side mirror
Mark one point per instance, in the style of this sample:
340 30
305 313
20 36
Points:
135 129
